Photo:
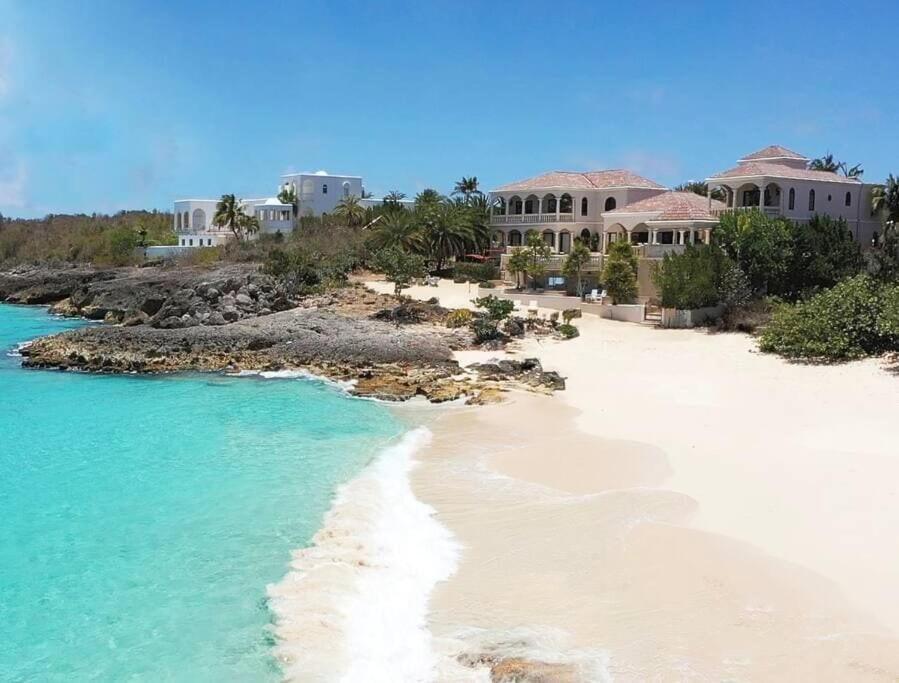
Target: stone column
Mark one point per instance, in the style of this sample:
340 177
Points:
652 237
761 197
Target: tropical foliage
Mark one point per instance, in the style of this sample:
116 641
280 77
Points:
399 266
575 263
350 210
288 195
857 317
230 214
619 274
828 163
701 276
758 244
700 188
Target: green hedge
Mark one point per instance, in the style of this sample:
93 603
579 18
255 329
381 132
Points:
856 318
474 272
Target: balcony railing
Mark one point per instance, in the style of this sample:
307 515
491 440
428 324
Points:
772 211
555 262
525 218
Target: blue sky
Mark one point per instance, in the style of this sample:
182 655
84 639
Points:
106 105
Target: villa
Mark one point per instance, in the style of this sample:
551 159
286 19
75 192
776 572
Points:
317 193
599 207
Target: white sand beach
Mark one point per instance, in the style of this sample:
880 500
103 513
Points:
688 509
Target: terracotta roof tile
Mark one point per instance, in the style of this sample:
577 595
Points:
674 206
575 180
773 152
766 168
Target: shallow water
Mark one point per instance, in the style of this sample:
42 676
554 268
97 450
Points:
143 517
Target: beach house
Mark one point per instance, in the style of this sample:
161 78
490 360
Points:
316 193
599 207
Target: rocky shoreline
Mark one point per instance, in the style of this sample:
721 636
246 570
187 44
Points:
237 319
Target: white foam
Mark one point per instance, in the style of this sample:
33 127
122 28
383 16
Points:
354 605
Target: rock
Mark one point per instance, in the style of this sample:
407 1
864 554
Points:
215 318
170 323
151 305
244 301
230 314
212 294
133 318
65 307
487 396
528 371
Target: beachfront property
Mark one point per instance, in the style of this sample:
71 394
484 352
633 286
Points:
600 207
317 193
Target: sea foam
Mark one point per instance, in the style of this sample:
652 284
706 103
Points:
354 605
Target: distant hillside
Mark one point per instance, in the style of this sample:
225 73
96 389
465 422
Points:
79 238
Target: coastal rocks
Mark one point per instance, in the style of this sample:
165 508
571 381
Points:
41 285
528 371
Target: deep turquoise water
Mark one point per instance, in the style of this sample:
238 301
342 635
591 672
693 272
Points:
142 518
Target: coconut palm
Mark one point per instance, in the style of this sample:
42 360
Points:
447 232
396 229
826 163
467 188
230 214
350 210
885 199
852 171
394 197
288 195
428 197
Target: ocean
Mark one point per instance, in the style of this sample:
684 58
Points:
143 518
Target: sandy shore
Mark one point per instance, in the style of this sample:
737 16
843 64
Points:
687 510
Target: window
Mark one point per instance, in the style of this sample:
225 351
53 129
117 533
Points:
346 189
209 242
584 206
811 200
183 241
611 203
325 188
829 198
792 199
848 199
190 242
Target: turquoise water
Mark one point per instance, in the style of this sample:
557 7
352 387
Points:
142 518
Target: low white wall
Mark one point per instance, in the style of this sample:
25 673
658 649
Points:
680 318
628 313
168 251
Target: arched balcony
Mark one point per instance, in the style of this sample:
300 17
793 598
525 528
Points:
768 198
532 209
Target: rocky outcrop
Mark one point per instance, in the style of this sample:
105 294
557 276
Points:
528 371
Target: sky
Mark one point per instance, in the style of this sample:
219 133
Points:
116 104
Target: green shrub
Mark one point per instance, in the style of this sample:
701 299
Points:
486 285
570 314
855 318
460 280
568 331
700 276
475 272
459 318
619 274
497 309
485 329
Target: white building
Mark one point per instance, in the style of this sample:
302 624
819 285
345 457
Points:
317 193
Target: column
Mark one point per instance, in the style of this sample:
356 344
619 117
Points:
680 236
761 197
652 237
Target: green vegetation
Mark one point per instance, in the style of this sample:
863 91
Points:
475 272
350 210
568 331
857 317
399 266
701 276
536 252
828 163
230 214
98 239
759 245
497 310
619 274
575 263
461 317
700 188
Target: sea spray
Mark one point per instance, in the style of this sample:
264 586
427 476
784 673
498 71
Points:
354 605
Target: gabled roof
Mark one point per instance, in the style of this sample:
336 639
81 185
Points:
750 169
773 152
576 180
673 206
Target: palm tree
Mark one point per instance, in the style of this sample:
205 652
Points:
446 231
397 229
229 213
826 163
700 188
467 187
852 171
428 197
350 210
394 197
885 199
288 195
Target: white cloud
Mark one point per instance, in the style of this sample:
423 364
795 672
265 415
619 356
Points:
13 186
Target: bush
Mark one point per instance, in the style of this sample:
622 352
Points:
749 317
514 327
460 280
497 309
485 329
486 285
856 318
475 272
459 318
620 272
570 314
568 331
700 276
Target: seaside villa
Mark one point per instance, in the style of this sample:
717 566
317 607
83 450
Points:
600 207
317 193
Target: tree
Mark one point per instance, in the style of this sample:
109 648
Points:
350 210
619 274
397 229
400 267
700 188
537 252
230 213
760 245
885 199
886 255
393 198
446 231
575 263
823 253
497 309
288 195
828 163
467 188
517 265
428 198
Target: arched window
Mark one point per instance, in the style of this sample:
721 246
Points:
848 199
610 204
325 188
792 199
565 203
515 238
186 222
515 205
584 206
178 221
811 200
549 204
531 204
346 189
199 219
549 239
585 236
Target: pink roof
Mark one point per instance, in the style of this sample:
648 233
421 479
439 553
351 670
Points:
674 206
772 170
773 152
575 180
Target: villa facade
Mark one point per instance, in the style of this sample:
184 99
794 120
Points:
317 193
